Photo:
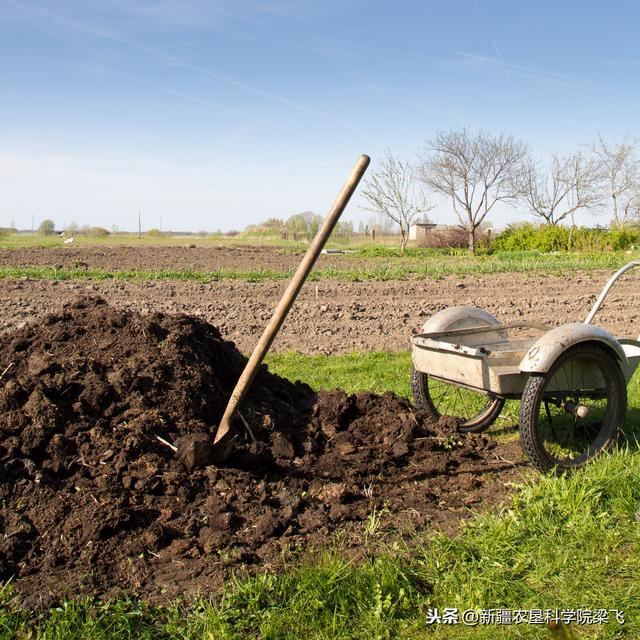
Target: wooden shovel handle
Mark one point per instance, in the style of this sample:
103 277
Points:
271 330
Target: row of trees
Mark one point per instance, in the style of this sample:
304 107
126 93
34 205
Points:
477 170
48 228
305 224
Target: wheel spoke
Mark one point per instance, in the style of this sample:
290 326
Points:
473 410
577 410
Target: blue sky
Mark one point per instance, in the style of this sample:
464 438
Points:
216 114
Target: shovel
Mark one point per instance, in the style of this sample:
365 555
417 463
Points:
203 451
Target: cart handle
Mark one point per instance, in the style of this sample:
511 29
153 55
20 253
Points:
605 291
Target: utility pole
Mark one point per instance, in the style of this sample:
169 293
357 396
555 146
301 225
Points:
139 224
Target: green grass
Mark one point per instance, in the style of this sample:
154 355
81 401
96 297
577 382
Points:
377 372
431 266
352 372
53 273
382 371
564 543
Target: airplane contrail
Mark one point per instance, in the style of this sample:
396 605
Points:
193 98
109 35
530 73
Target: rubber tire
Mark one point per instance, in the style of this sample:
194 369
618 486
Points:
422 400
532 399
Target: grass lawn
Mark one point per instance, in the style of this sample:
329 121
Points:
562 543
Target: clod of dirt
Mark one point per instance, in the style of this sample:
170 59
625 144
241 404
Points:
94 403
196 450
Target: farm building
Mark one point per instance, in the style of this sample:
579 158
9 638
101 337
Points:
419 233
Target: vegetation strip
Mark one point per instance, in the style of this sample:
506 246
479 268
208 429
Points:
427 268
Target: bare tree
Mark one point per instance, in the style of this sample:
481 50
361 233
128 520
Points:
475 170
620 171
557 191
392 191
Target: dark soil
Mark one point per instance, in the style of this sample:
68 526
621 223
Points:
188 256
95 501
331 316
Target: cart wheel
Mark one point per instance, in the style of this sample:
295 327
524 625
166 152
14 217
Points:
476 411
574 411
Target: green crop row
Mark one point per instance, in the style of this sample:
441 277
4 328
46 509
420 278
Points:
430 267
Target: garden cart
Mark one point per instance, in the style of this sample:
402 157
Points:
571 379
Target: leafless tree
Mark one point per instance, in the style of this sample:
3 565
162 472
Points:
392 191
557 191
475 170
619 167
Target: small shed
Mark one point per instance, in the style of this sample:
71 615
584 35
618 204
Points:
419 233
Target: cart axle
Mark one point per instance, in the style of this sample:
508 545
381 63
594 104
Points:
576 409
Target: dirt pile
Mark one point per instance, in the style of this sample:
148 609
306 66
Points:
95 501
